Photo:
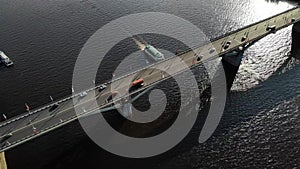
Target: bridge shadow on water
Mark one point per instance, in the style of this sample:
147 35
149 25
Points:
279 87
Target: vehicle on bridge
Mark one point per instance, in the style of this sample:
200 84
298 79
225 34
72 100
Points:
293 20
82 94
6 137
101 88
226 45
212 50
271 28
135 85
244 38
55 106
111 96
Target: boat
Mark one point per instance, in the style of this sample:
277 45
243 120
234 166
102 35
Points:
153 53
5 59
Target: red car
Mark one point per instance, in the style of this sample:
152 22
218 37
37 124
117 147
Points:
135 85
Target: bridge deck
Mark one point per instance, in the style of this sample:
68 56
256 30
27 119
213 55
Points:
35 123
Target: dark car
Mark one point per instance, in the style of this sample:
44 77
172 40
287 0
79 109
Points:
101 88
244 38
55 106
226 45
7 136
111 96
199 58
271 28
293 20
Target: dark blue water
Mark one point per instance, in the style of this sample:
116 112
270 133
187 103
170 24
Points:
260 127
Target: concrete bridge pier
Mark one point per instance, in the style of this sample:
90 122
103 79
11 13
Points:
296 40
231 63
3 164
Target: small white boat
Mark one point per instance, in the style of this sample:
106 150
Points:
5 59
153 53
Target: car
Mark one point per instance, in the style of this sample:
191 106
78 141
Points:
244 38
7 136
271 28
199 58
102 87
82 94
226 45
135 85
111 96
241 48
55 106
212 50
293 20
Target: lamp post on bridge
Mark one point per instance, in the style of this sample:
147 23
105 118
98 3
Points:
35 132
4 116
51 98
27 107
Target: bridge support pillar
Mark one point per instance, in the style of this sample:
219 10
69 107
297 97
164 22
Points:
296 40
231 63
3 164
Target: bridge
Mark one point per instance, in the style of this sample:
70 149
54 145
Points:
37 122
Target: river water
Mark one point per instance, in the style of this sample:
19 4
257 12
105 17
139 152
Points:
260 126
